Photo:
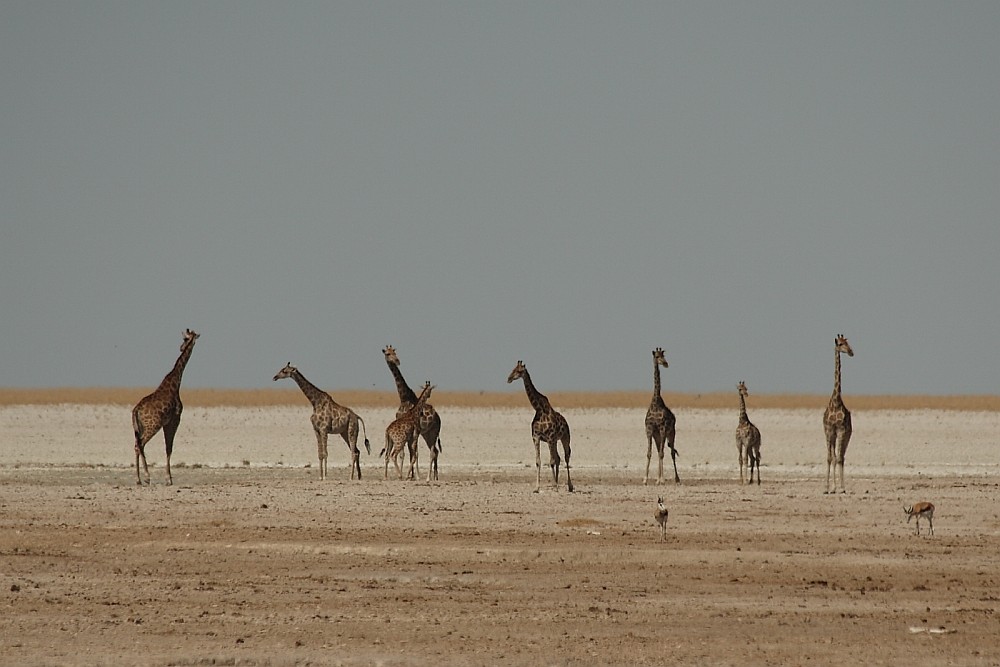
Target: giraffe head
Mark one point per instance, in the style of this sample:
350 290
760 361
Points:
189 338
517 373
843 346
286 372
658 357
390 355
742 388
425 394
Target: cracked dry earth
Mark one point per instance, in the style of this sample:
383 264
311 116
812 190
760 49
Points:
273 567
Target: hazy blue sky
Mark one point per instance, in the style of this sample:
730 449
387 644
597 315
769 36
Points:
568 183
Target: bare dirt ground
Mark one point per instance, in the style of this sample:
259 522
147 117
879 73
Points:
249 559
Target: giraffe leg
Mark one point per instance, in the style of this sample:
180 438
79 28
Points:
649 455
351 439
412 445
538 464
554 462
830 446
169 430
658 438
140 452
415 456
743 462
432 465
566 452
839 460
397 455
388 452
321 451
434 445
673 455
435 452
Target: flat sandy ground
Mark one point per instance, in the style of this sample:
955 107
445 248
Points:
250 559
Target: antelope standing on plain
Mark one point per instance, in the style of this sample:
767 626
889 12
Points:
661 518
925 510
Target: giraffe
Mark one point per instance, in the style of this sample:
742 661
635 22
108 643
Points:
329 417
837 422
161 409
660 423
548 425
430 421
747 439
403 432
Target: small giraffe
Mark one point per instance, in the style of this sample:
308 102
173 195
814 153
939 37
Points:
403 432
329 417
548 425
161 409
747 439
430 421
660 423
837 423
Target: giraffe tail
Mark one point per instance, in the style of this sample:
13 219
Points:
368 445
438 446
136 426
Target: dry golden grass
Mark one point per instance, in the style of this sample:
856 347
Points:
492 399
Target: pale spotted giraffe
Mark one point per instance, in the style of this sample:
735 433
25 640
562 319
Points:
430 421
547 425
329 417
660 423
403 433
837 423
161 409
747 439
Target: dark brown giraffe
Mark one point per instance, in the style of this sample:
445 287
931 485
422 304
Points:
403 433
161 409
430 421
837 422
660 423
329 417
547 425
747 439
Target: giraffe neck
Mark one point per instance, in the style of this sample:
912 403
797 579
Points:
315 395
172 381
406 395
413 414
656 381
836 377
743 409
538 400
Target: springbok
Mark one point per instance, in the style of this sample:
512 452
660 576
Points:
918 510
661 518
